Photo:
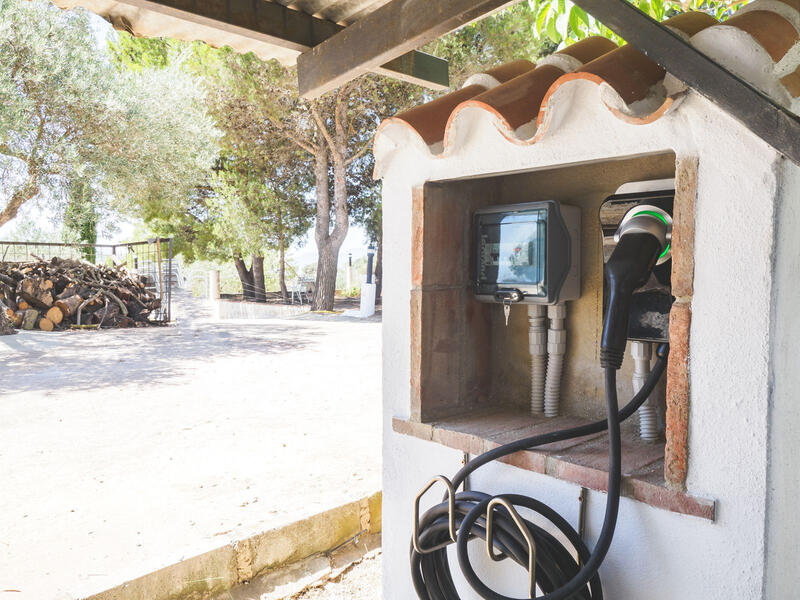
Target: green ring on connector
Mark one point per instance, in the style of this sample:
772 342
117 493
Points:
653 213
663 219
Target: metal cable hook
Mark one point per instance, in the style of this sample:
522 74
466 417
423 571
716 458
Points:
520 523
451 515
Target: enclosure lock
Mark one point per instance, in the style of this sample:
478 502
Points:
508 295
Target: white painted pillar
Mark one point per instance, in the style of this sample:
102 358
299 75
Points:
213 285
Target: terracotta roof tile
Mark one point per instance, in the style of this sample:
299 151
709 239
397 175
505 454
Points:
508 71
691 23
518 101
429 120
627 70
589 49
772 31
792 83
760 43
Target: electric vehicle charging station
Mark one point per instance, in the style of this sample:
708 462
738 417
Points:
705 508
528 253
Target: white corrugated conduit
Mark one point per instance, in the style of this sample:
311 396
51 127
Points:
642 353
556 348
537 340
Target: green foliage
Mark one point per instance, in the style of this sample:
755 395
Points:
502 37
255 198
138 54
138 139
561 21
256 207
364 197
81 217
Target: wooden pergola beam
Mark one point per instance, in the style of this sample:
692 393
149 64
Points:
273 23
389 32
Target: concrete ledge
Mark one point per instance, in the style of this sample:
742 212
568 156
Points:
583 461
234 309
222 569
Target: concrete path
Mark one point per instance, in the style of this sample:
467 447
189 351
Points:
361 582
125 451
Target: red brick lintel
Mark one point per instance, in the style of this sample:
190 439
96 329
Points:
582 461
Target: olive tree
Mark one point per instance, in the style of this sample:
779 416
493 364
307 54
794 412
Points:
68 115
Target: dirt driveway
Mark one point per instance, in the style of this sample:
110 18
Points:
125 451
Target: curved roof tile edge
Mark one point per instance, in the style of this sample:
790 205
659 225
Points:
612 98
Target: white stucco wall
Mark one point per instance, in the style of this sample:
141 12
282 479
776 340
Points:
656 554
783 523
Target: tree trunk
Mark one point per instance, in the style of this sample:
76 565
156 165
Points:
329 241
282 260
325 290
18 198
259 289
245 276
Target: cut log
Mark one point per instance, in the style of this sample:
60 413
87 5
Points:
10 303
55 315
6 327
70 290
69 305
36 292
46 324
125 322
29 318
16 320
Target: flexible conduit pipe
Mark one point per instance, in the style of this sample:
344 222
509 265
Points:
537 340
642 352
556 348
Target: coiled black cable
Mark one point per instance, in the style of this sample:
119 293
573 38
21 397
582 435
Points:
557 572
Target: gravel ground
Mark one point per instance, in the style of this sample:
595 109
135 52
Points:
360 582
125 451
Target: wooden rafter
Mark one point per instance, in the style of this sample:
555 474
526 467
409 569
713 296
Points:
389 32
273 23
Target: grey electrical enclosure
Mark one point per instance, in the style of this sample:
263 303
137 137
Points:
527 253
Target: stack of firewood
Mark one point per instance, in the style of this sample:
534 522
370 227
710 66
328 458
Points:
67 293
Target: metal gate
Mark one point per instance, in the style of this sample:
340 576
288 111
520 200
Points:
151 259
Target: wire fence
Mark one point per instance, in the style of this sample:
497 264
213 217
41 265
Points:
150 259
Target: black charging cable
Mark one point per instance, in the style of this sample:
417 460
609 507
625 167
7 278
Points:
555 569
558 574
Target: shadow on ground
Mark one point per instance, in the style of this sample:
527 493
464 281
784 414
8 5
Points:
83 360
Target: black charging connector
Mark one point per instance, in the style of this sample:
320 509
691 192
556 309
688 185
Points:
640 242
628 268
